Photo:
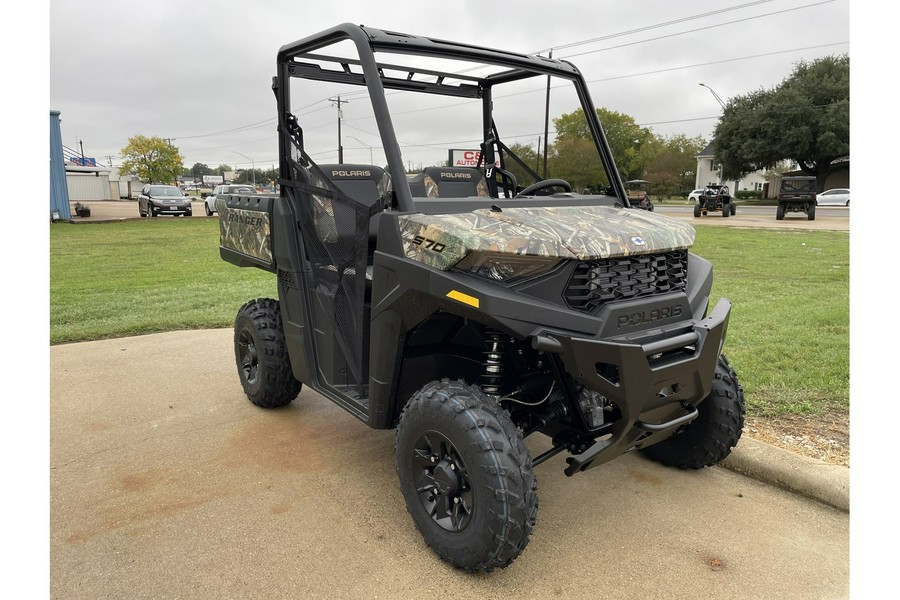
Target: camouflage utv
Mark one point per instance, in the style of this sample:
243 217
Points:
639 194
472 307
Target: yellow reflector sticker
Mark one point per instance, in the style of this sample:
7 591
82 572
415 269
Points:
464 298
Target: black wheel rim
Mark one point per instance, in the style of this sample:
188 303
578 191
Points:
247 356
442 481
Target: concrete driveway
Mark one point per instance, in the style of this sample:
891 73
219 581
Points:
167 483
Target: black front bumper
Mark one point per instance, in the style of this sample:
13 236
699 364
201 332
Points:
656 382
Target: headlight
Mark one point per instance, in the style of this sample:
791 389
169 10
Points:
505 268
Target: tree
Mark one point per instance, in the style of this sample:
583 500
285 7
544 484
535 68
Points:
806 119
673 169
632 146
200 169
153 159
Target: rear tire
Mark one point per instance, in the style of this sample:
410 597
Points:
260 352
811 213
733 209
779 212
709 438
466 476
206 208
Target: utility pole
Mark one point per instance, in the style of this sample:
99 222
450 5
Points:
81 146
337 101
547 121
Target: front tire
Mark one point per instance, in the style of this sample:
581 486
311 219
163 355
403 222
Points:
206 208
697 210
709 438
260 352
726 210
466 476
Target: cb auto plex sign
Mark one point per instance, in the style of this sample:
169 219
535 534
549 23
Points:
466 158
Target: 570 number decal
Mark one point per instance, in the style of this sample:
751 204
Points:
428 244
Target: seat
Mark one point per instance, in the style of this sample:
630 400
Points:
367 184
451 182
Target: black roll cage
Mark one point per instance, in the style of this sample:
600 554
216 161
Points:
293 61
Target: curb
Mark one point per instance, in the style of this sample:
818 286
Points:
829 484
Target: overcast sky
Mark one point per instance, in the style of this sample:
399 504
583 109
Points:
192 70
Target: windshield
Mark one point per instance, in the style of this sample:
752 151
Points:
798 185
165 190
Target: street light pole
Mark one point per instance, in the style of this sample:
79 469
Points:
719 174
715 95
252 165
371 156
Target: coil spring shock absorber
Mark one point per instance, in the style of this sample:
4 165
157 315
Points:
492 378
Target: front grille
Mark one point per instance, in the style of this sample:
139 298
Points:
596 282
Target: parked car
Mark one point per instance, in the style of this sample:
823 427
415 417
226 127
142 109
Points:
835 197
209 203
163 200
695 195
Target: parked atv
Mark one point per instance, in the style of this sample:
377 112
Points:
639 194
470 308
797 194
715 198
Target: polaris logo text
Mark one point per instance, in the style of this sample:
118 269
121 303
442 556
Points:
657 314
351 173
245 220
456 176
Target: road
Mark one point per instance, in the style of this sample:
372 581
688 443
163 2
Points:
827 217
165 482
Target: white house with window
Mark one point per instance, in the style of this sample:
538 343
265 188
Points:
709 171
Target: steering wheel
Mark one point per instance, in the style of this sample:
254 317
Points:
542 185
508 181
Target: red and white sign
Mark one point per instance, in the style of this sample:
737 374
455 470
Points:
466 158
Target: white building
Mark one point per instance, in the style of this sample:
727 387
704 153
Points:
88 183
709 171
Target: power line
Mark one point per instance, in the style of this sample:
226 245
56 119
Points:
649 27
235 130
589 41
671 35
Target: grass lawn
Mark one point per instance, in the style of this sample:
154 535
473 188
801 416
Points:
788 338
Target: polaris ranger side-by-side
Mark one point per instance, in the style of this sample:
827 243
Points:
797 194
470 308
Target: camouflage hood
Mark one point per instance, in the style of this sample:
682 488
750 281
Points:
569 232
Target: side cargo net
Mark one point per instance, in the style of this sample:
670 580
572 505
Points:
334 229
